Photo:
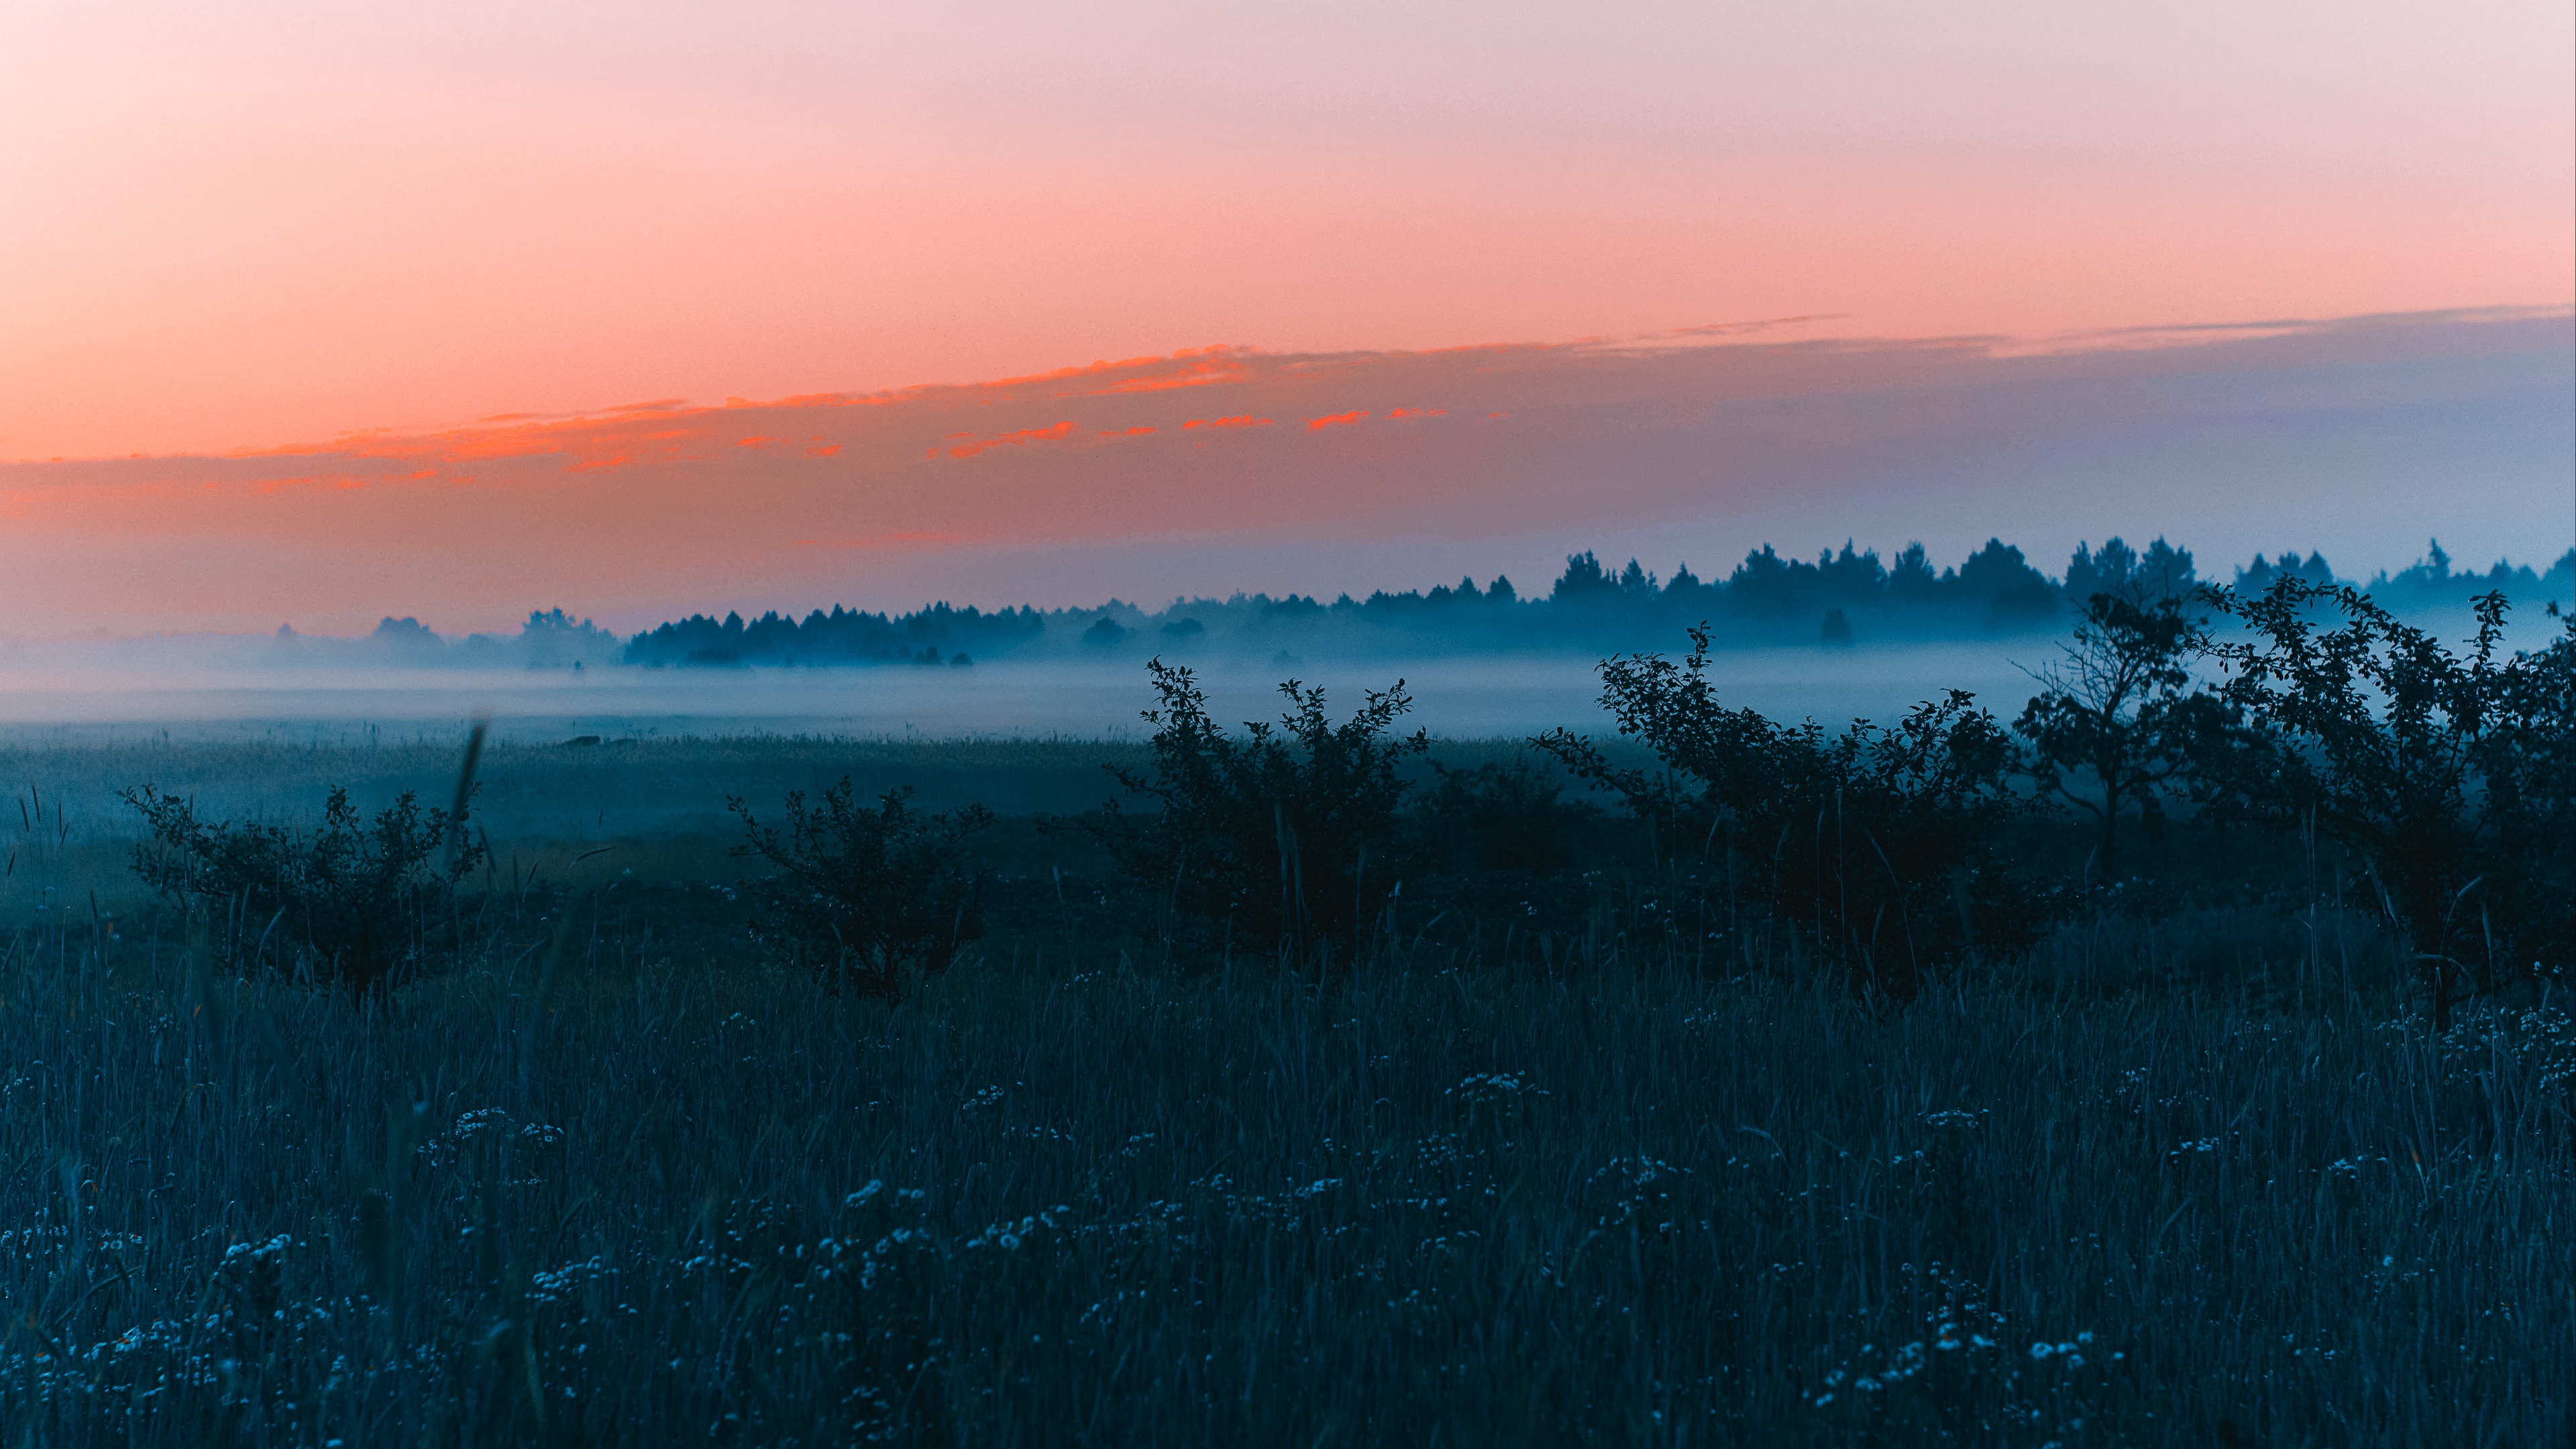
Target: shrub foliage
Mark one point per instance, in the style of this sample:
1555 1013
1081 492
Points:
2119 722
1509 817
1866 841
1288 835
865 896
2449 775
354 901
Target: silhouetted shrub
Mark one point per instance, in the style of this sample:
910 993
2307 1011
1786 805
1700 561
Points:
353 902
865 897
2121 715
1866 841
1500 817
1286 836
2449 775
2539 773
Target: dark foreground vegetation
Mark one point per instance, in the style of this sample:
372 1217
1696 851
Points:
1794 1085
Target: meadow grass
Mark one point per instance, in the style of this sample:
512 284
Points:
657 805
2190 1174
1055 1197
561 815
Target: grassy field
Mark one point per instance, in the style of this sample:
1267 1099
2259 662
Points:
656 803
1543 1168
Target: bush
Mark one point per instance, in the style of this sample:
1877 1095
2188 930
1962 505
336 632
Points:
2119 711
865 897
2448 775
351 902
1286 836
2537 778
1866 841
1499 817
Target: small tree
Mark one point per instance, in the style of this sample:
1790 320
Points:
1287 835
352 902
2120 711
1856 837
865 897
2447 774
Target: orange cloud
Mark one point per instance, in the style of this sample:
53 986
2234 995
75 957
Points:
823 452
656 432
1204 372
1021 438
1728 329
1061 374
688 505
611 436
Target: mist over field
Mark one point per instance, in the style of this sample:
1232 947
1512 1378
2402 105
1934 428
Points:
1845 636
1469 697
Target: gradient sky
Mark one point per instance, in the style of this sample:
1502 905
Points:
300 258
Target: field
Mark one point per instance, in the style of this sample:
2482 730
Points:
1541 1165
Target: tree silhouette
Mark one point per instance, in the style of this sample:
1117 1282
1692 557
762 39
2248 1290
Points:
2436 768
2119 708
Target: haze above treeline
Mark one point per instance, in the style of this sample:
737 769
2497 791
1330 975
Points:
1842 597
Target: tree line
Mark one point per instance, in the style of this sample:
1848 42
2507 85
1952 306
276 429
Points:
1841 596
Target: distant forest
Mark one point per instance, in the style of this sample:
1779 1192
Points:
1840 598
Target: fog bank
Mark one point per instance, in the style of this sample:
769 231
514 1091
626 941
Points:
97 693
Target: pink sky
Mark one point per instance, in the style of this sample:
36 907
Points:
263 227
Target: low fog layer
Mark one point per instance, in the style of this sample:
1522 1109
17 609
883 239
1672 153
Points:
105 692
107 696
1845 636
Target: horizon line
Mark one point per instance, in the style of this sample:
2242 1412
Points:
573 619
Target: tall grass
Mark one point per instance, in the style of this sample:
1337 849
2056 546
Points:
1057 1198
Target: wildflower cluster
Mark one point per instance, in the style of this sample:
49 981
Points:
491 1143
2537 1040
1962 1378
1641 1191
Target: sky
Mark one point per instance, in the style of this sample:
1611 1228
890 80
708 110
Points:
317 313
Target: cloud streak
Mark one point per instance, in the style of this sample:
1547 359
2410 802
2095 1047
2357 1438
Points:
2320 433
